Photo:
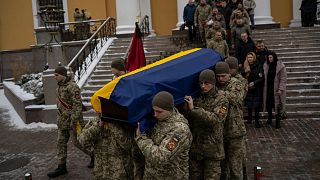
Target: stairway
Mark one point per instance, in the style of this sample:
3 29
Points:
299 49
102 75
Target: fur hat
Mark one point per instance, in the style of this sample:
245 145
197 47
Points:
163 100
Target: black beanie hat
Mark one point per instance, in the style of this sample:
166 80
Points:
232 62
222 68
208 76
118 65
163 100
61 70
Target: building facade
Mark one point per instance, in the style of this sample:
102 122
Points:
19 19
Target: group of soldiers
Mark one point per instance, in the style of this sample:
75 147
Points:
202 140
220 24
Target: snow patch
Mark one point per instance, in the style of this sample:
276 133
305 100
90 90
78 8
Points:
14 119
23 95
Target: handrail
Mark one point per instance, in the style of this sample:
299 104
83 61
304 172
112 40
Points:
144 28
81 61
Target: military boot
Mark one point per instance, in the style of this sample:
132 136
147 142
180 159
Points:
91 164
61 170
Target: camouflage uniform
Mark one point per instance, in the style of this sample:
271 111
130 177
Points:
200 18
69 115
207 120
166 149
234 130
220 46
244 83
112 150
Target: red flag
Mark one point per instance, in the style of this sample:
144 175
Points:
136 57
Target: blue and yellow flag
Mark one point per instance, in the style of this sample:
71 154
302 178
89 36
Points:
177 74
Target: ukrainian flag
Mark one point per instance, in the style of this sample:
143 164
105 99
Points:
133 92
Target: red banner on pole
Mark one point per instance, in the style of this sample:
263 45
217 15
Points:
136 57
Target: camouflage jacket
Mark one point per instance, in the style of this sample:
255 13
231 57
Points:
202 13
112 150
69 104
219 46
244 83
166 149
234 126
206 122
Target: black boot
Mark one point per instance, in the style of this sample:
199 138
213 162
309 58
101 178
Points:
256 118
269 121
61 170
91 164
278 123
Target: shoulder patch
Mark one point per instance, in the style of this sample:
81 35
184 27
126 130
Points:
172 144
222 110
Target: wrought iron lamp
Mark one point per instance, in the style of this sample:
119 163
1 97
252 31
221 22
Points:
51 16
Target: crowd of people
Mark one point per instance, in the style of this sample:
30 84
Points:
206 139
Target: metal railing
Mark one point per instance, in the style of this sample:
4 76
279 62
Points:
145 30
80 30
82 60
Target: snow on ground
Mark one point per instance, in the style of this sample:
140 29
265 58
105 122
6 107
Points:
15 120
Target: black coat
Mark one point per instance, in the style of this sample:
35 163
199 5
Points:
243 49
254 97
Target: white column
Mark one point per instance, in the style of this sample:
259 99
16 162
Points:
296 21
145 7
180 5
263 12
127 14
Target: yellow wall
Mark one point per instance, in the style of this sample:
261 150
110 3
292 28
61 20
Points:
281 11
16 24
96 9
111 8
164 16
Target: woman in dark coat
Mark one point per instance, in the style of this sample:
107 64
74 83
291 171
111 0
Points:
274 92
253 70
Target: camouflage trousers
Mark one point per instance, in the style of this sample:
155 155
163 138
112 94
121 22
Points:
63 138
202 32
207 168
138 162
232 166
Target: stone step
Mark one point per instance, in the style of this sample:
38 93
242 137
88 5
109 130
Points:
294 86
303 99
99 81
303 74
298 58
303 80
293 45
290 41
285 30
93 87
301 63
303 92
300 53
101 76
302 68
298 49
300 107
287 35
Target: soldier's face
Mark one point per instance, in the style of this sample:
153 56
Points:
205 86
116 72
160 113
222 78
58 77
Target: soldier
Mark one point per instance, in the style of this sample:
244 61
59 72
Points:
166 146
206 116
112 148
219 44
118 68
200 18
69 118
233 65
234 128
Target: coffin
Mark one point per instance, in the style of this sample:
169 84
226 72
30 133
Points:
128 98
